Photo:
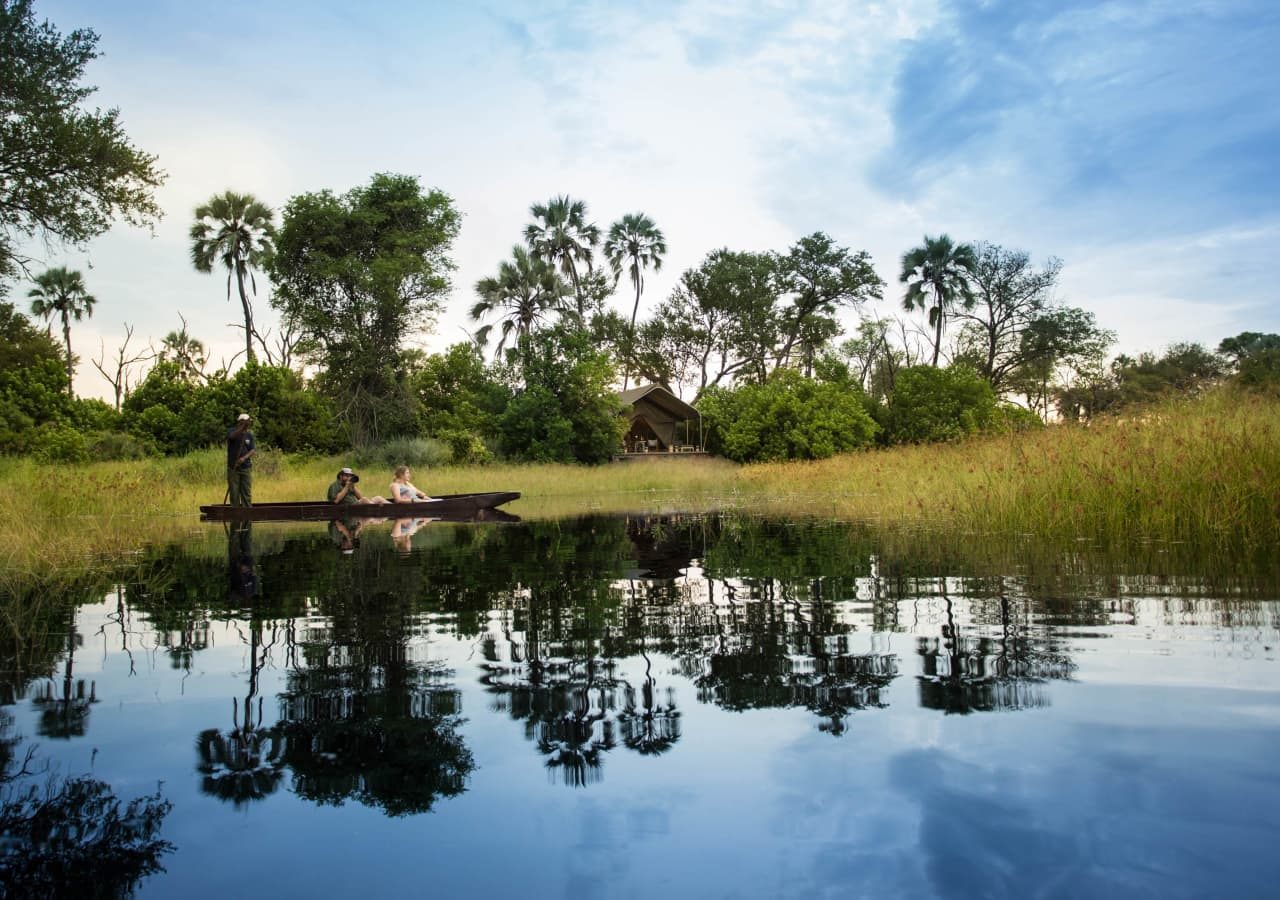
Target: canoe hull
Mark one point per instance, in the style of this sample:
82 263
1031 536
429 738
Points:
458 507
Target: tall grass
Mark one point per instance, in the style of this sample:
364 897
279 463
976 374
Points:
1205 472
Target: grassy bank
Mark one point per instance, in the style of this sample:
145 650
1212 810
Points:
1204 472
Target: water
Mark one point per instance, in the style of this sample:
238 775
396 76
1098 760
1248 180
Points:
657 706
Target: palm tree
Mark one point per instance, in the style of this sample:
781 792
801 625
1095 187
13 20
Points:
60 292
563 237
525 290
638 243
188 352
937 275
237 230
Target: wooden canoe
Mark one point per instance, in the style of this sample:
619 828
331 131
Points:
454 507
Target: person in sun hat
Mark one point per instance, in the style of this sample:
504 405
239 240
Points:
240 450
344 490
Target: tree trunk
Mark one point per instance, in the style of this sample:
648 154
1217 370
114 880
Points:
66 337
631 347
248 311
937 335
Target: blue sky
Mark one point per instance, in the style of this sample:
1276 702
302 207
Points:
1138 141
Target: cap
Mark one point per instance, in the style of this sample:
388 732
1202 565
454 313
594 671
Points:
345 471
243 417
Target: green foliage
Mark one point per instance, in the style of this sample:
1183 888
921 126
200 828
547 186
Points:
179 416
235 231
33 381
938 275
787 417
1011 417
562 236
358 273
932 404
459 402
111 446
59 442
567 409
68 171
89 414
1255 358
524 293
405 451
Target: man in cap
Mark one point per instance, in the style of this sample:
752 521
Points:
344 490
240 450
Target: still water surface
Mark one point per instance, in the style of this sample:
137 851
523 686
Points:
685 706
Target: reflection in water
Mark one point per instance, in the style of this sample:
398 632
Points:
634 649
71 836
963 674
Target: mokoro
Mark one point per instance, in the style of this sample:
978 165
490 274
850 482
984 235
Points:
458 507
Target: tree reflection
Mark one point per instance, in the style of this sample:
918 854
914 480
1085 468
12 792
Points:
71 836
650 728
64 709
980 673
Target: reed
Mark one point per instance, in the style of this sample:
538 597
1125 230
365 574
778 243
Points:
1204 472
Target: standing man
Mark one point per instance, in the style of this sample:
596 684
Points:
240 450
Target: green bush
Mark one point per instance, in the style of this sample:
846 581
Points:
405 451
57 442
930 404
466 447
1011 417
110 446
787 417
88 414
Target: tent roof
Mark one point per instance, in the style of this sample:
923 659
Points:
661 398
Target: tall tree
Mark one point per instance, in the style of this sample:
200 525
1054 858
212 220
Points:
562 235
635 242
236 230
65 172
188 352
358 273
524 292
937 275
59 292
1010 296
821 277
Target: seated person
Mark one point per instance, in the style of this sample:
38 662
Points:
344 489
402 491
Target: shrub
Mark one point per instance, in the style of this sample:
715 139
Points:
466 447
57 442
1011 417
930 404
406 451
110 446
788 417
89 414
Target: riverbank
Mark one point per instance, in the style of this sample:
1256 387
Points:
1203 472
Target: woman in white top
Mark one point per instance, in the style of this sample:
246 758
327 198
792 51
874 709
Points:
402 491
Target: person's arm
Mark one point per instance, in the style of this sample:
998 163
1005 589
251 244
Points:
241 461
395 494
337 498
356 491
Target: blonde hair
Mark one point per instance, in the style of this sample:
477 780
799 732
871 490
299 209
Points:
400 470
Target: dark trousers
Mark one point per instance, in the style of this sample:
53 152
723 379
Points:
240 486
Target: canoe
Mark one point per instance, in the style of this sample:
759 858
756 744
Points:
455 507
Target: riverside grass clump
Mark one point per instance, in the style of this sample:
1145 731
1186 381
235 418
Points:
1202 472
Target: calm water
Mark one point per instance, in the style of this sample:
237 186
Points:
646 707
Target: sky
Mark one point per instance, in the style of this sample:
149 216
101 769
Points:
1137 141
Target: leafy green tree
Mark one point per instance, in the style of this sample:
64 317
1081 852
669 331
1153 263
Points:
938 277
1010 297
61 293
459 401
821 277
33 381
1254 356
1060 347
524 292
933 404
566 409
66 173
235 230
787 417
721 322
562 236
635 242
358 273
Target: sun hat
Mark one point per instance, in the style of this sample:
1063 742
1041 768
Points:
346 471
